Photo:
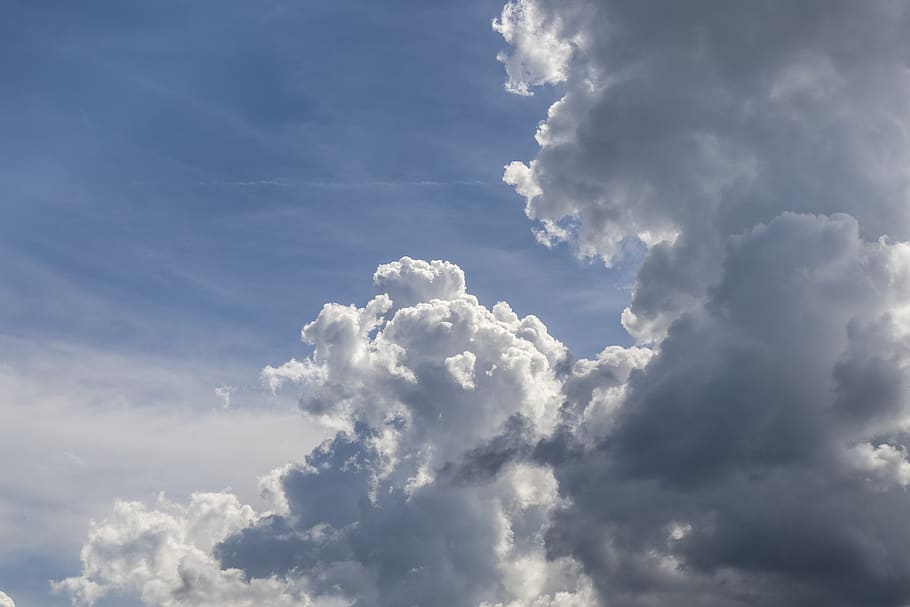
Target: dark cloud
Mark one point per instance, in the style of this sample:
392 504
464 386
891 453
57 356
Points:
742 432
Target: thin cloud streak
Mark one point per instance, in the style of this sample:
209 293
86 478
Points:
279 183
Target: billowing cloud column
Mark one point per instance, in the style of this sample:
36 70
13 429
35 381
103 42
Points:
756 155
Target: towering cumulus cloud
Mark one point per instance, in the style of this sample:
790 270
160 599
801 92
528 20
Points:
751 451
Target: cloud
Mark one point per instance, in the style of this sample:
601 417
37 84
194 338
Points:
402 505
758 156
541 54
164 556
224 393
770 425
6 601
683 125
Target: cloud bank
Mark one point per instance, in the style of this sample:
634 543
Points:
752 450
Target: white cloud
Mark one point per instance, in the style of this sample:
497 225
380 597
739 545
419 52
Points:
410 281
541 54
885 463
401 355
462 367
164 556
224 393
6 601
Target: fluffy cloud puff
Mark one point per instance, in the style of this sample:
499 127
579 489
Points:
542 53
164 557
6 601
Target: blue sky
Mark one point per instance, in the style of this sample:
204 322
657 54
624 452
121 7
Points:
212 173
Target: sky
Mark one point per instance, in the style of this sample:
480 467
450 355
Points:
207 168
525 303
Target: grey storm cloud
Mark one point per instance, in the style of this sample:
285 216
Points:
751 450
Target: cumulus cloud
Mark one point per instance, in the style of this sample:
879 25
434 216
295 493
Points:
428 494
541 52
164 556
6 601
